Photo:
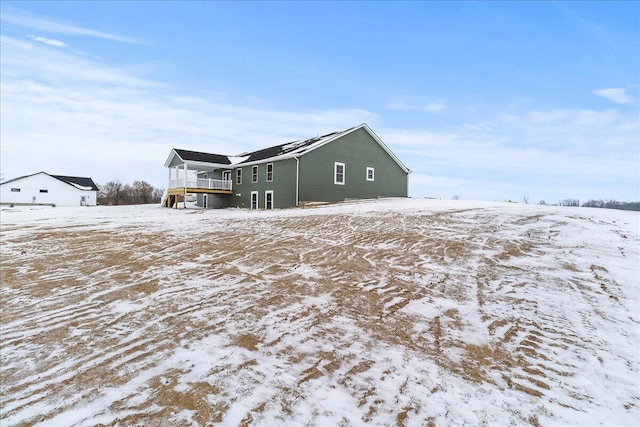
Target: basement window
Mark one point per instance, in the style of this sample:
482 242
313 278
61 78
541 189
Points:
370 174
44 191
15 190
338 173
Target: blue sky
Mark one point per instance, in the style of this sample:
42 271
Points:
483 100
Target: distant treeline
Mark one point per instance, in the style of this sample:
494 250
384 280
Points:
140 192
612 204
608 204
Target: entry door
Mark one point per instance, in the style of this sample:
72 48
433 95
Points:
268 199
205 200
83 200
226 175
254 200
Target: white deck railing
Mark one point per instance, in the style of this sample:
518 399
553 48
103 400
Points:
211 184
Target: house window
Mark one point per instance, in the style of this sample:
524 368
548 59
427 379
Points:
254 200
44 191
370 174
226 175
238 176
269 172
15 190
254 174
268 199
338 169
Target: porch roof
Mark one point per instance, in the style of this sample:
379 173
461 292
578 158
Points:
204 161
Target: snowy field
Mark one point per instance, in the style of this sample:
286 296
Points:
384 313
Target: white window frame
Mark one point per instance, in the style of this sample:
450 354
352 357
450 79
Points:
335 173
254 174
226 175
373 174
257 194
269 173
266 199
239 176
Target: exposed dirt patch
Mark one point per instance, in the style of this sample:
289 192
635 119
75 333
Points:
245 323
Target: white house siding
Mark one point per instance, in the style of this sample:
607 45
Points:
58 192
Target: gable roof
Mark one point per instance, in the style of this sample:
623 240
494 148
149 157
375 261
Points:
79 182
279 152
198 156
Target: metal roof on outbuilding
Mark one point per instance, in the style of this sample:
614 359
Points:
79 182
86 183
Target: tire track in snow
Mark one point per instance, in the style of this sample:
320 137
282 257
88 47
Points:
397 313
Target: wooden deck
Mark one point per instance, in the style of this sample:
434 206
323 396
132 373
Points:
173 193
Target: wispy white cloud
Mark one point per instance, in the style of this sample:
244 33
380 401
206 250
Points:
120 122
48 25
432 107
543 153
477 127
548 116
49 42
617 95
116 123
23 59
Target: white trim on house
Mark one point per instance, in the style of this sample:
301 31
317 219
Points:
198 164
257 200
254 174
268 198
339 177
371 176
269 172
239 176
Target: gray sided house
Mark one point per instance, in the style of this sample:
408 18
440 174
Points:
351 164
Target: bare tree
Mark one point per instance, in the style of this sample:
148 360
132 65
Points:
525 199
116 193
542 202
569 202
156 197
126 195
143 191
111 192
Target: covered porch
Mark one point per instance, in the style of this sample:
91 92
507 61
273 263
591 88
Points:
184 168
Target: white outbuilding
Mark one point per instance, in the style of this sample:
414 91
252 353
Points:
44 189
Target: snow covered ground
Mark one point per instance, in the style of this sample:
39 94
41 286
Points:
390 312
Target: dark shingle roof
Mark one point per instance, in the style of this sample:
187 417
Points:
78 181
197 156
280 150
291 149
